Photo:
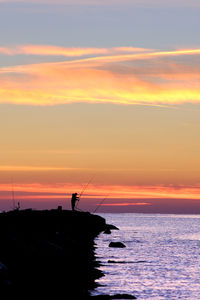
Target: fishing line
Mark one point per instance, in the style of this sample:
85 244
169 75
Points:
101 203
85 187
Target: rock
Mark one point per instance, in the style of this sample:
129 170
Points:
5 282
123 296
39 246
117 245
125 262
102 297
3 268
117 296
111 227
116 262
107 231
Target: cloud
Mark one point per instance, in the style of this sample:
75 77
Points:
127 204
6 50
159 198
48 50
116 193
7 168
139 56
150 78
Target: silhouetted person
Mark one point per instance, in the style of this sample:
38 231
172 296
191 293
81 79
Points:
18 206
74 199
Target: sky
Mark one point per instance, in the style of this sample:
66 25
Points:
100 97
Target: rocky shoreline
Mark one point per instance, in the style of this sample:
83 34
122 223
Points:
49 252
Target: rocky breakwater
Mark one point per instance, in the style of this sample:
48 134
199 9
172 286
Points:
49 252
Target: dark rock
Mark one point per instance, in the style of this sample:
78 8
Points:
116 262
117 245
117 296
111 227
126 262
3 268
123 296
107 231
102 297
48 252
4 281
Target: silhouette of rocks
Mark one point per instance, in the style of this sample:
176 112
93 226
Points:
111 227
117 296
48 253
126 262
123 296
117 245
107 231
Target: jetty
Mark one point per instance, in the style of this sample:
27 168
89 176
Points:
47 253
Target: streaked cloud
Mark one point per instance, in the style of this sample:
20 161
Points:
6 50
139 56
155 198
114 194
7 168
127 204
48 50
150 78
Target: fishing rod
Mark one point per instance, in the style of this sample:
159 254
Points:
84 188
14 207
101 203
13 195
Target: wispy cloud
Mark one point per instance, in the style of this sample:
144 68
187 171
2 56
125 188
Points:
7 168
127 204
158 198
6 50
151 78
48 50
138 56
117 193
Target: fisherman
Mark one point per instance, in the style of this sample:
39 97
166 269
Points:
74 199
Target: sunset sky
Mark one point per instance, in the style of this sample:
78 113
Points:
101 96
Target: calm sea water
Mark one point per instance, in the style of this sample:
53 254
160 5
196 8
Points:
161 259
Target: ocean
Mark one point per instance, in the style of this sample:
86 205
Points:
161 259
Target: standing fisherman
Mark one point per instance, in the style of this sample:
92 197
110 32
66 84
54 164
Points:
75 196
74 199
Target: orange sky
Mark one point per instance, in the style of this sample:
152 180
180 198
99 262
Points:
102 197
84 95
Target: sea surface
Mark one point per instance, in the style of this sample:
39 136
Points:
161 259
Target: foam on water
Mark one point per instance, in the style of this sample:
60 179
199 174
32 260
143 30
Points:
161 259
